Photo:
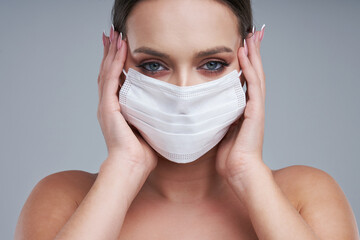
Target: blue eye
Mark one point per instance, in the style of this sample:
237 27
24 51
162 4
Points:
152 67
215 66
210 67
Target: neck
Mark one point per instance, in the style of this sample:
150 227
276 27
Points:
187 183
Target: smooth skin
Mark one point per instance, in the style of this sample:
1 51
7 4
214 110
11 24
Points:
229 193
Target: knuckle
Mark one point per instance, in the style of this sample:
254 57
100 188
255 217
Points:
258 83
113 75
119 62
101 113
106 63
113 44
103 77
100 107
98 115
245 63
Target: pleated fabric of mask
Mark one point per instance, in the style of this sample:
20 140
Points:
182 123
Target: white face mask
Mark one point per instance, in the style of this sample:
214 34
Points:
182 123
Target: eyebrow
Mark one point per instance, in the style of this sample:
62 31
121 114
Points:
205 53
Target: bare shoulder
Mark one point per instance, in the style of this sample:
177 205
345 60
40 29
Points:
51 203
300 176
72 183
305 182
319 200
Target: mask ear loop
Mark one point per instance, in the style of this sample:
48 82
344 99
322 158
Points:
239 73
245 85
125 76
124 72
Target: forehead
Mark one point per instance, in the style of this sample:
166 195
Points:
182 23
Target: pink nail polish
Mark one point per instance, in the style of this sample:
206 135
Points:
103 38
245 47
119 41
112 32
262 32
253 34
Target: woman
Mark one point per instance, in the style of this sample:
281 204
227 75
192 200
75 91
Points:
225 193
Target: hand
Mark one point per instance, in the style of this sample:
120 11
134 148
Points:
122 142
241 149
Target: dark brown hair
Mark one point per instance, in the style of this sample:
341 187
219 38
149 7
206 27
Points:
241 8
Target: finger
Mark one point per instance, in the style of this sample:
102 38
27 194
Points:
113 45
109 58
105 62
119 59
262 32
253 44
106 44
253 84
111 83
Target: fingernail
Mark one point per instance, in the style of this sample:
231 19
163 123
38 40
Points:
112 32
103 38
245 47
253 33
262 32
119 41
262 27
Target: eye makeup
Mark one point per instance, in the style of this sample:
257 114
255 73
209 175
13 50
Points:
211 67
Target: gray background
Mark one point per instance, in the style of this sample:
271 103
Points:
50 53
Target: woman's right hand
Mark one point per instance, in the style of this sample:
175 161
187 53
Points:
123 144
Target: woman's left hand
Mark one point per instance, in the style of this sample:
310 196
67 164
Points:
240 151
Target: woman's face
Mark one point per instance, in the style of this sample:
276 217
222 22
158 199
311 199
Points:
183 42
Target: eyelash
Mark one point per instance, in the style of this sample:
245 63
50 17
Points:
217 71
